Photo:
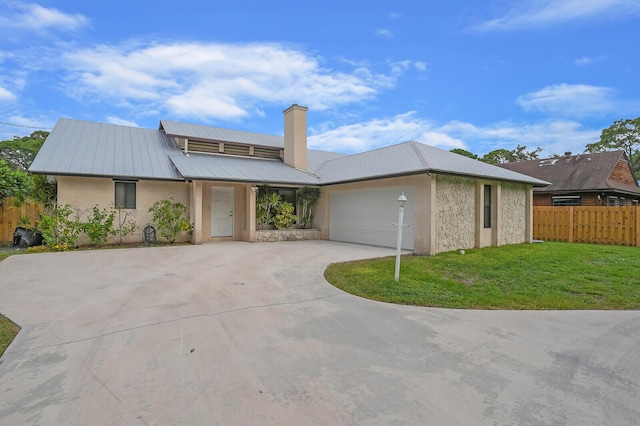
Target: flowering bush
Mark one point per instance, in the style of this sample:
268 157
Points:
170 218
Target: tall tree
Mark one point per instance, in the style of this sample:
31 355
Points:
624 135
12 181
497 156
20 152
464 152
520 153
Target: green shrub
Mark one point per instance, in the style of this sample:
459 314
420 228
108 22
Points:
170 218
307 198
99 226
284 218
266 206
59 231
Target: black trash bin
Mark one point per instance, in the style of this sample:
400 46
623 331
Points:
23 237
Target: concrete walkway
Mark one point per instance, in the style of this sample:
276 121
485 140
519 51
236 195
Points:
239 333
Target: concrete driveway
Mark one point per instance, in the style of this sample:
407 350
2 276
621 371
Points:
239 333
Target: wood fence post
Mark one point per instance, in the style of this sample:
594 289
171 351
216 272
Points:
636 230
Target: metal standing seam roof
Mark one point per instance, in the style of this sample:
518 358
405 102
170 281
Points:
409 158
239 169
84 148
200 132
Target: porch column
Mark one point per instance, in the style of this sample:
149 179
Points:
195 211
496 206
251 211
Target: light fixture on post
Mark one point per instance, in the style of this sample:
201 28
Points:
402 200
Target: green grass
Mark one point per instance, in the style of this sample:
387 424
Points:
525 276
8 330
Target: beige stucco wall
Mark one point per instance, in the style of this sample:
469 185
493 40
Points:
513 214
455 216
422 206
85 192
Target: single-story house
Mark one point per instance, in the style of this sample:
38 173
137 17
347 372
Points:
590 179
454 202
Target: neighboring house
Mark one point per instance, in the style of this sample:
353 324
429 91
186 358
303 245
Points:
596 179
454 202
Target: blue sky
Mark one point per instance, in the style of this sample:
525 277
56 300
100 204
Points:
478 75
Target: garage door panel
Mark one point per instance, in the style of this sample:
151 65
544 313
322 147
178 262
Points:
366 216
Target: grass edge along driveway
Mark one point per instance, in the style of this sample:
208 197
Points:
8 331
524 276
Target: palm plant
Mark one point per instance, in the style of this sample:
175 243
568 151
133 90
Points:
307 198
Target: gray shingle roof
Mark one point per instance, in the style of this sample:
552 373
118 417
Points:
240 169
409 158
85 148
200 132
575 173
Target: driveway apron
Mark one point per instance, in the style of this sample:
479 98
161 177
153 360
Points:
241 333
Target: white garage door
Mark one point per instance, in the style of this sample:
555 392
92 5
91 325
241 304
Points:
366 216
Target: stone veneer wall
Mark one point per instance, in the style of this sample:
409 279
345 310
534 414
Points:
273 235
513 214
456 213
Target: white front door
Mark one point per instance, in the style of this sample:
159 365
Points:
222 211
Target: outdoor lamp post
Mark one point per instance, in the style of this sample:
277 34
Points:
402 200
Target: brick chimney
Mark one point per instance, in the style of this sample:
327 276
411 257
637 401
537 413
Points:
295 136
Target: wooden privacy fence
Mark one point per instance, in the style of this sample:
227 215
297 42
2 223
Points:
10 218
596 225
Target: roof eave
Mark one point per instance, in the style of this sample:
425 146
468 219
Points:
104 176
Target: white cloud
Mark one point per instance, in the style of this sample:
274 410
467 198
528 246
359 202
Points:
573 100
213 80
121 122
377 133
583 61
553 136
400 67
6 95
540 13
34 17
383 32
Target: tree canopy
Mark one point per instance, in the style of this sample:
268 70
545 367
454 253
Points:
20 152
16 155
621 135
464 152
502 155
13 181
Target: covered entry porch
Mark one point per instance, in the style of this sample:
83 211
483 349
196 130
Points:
228 211
222 211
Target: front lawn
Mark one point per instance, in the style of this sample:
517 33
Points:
8 331
525 276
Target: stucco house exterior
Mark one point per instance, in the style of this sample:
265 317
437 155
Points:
454 202
589 179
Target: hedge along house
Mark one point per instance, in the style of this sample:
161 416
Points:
454 202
